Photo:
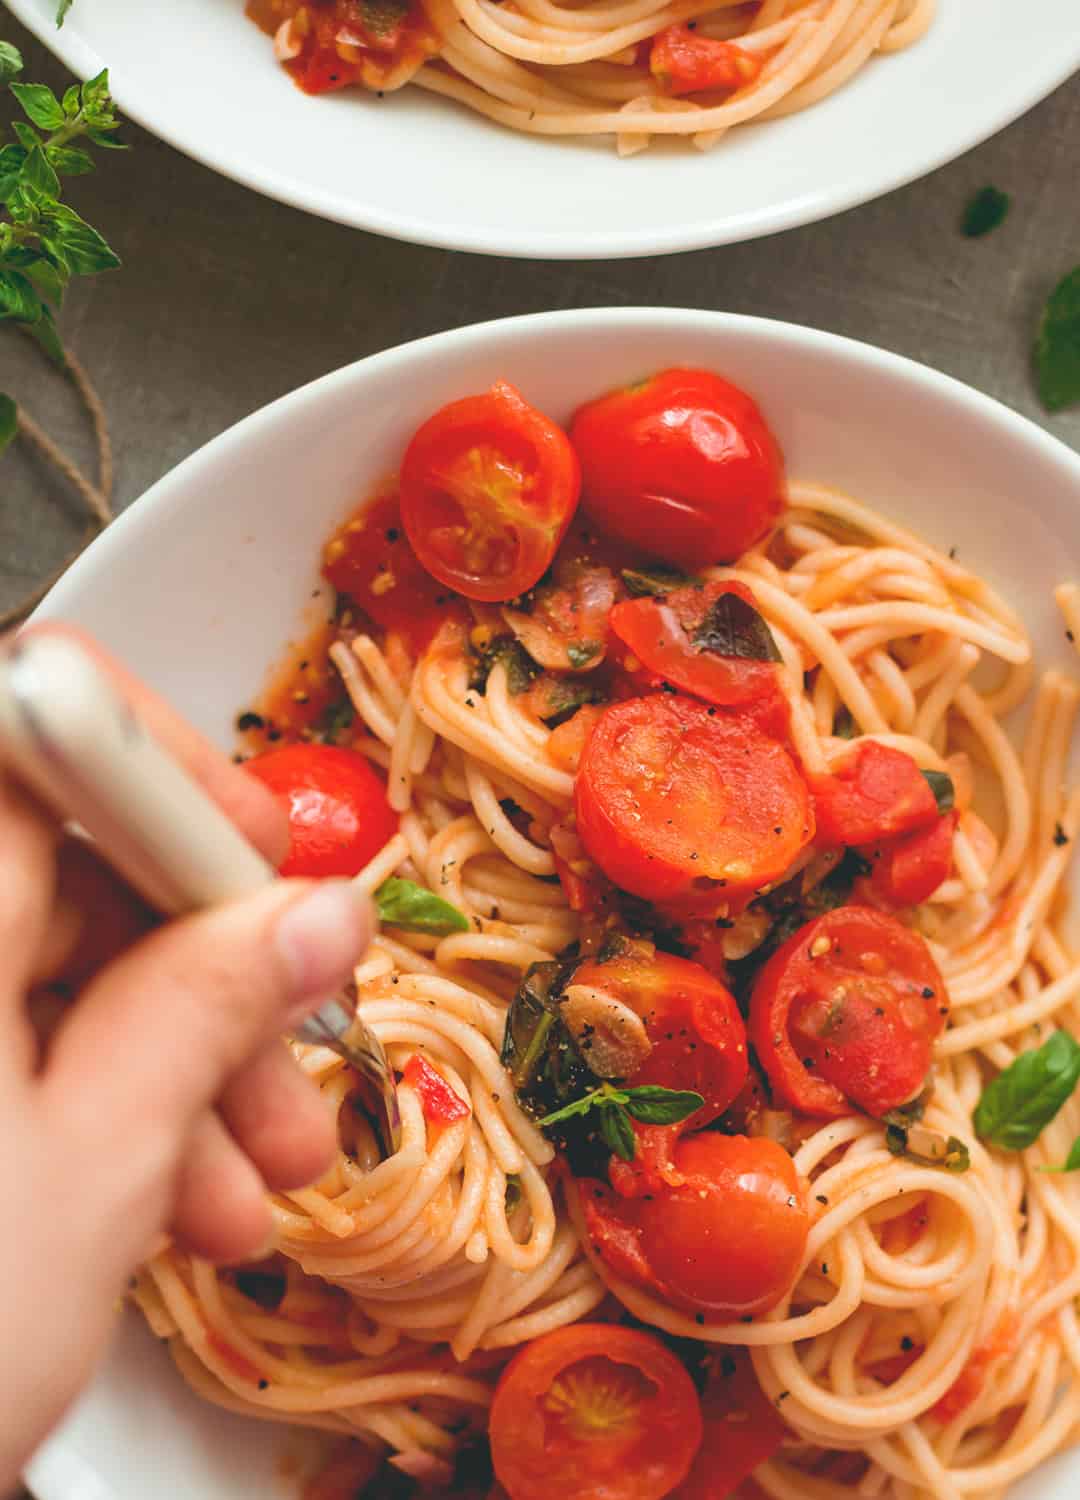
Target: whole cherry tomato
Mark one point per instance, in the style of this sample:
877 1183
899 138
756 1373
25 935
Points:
339 817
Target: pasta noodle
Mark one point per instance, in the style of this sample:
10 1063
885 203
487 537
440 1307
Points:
409 1279
563 67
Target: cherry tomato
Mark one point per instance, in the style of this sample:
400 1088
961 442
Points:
441 1103
742 1430
910 869
339 817
693 1023
679 803
371 562
726 1241
845 1013
668 637
682 466
877 793
596 1411
684 63
488 488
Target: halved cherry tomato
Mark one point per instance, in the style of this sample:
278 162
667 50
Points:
441 1103
488 488
693 1023
684 63
845 1014
595 1411
339 817
909 870
682 466
742 1430
666 637
877 793
371 561
726 1241
677 802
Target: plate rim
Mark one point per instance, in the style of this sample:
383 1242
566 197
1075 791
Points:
1029 88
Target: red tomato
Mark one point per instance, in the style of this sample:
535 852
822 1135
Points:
595 1411
909 870
968 1385
726 1241
339 817
679 803
684 63
697 1034
878 793
742 1430
856 998
371 562
661 635
442 1104
682 466
488 488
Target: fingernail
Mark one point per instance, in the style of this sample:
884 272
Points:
320 937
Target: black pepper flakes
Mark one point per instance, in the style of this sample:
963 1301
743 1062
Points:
1060 836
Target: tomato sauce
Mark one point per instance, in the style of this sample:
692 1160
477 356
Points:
335 43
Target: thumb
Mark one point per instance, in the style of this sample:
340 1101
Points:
154 1038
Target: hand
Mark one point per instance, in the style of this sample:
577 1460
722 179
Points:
143 1084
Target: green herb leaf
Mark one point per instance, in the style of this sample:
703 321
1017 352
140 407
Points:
69 161
71 103
413 908
928 1148
984 212
732 627
604 1097
653 1104
518 664
83 249
39 104
62 8
617 1132
11 63
44 332
653 582
941 784
580 653
18 299
37 173
1071 1162
1022 1100
25 134
1057 347
9 420
336 723
513 1192
563 696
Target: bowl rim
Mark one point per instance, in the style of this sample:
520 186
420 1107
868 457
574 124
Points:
1026 88
170 490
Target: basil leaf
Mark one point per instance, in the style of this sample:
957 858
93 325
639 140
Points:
594 1100
519 665
928 1148
83 249
941 784
25 134
1021 1101
732 627
39 104
18 299
69 161
1071 1162
38 174
564 696
9 420
617 1132
404 904
336 722
653 1104
529 1022
580 653
984 212
1057 346
653 582
11 63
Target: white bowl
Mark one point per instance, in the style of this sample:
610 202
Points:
201 76
199 585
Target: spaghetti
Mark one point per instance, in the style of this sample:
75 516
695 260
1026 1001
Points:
930 1344
631 69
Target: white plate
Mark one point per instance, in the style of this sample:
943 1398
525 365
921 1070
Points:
201 76
201 582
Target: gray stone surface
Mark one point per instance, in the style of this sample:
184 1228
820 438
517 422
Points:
227 300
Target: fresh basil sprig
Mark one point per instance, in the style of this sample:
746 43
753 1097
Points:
43 242
650 1104
413 908
941 784
1017 1106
